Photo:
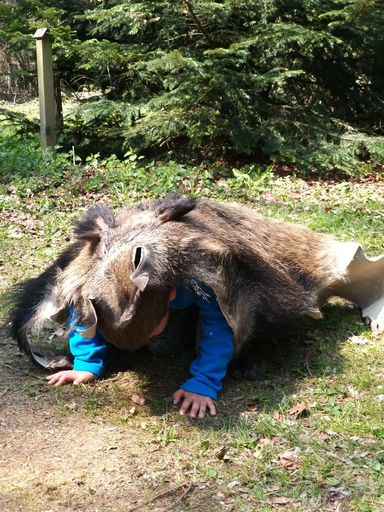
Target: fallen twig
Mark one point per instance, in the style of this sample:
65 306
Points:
44 447
162 495
182 496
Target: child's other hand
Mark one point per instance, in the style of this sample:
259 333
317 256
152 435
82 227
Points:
198 403
75 376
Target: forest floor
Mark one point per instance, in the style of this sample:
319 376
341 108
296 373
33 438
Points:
309 438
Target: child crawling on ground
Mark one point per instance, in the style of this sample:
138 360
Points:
215 351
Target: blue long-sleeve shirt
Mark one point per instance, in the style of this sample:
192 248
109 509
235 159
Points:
216 348
207 370
88 353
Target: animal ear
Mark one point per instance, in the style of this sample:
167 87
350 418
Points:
89 332
140 275
129 313
174 207
94 223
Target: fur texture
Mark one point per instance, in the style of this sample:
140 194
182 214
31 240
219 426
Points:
118 272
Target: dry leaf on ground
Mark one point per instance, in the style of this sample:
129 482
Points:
280 500
221 454
300 410
290 459
139 400
251 406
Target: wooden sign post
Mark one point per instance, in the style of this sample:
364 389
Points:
46 88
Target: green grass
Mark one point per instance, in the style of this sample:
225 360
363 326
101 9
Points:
329 458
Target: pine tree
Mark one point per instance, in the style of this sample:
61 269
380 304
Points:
298 81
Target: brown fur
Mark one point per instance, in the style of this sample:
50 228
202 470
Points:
119 271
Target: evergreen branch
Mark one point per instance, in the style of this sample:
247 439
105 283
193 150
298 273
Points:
356 15
196 19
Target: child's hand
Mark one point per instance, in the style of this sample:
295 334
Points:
197 403
75 376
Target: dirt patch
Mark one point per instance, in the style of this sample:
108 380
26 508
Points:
82 448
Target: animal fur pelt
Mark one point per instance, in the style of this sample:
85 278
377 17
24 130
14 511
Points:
118 272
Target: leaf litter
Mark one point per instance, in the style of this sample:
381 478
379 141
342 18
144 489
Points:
106 461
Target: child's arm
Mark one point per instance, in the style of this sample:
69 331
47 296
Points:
89 355
209 368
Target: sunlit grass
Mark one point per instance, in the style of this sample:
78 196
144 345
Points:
335 366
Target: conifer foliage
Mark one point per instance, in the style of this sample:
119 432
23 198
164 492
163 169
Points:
298 81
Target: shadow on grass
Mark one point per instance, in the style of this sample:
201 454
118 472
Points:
311 352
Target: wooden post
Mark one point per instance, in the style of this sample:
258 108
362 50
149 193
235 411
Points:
46 88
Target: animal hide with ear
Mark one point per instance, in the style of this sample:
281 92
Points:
118 273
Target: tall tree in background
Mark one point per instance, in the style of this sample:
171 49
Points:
298 81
